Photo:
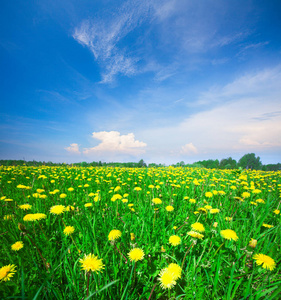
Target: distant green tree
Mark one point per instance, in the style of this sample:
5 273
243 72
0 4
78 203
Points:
228 163
250 161
141 163
209 164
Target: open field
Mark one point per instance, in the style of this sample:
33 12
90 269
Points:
146 233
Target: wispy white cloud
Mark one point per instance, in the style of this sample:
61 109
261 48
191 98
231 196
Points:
252 84
253 46
73 148
188 149
103 38
114 142
183 29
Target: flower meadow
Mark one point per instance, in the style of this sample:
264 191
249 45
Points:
139 233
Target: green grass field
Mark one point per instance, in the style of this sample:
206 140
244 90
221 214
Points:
120 233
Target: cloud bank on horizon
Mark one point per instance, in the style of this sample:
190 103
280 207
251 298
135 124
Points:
161 80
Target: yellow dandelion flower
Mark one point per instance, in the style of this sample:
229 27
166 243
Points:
91 262
132 236
39 216
68 230
62 196
208 194
208 207
137 189
25 206
260 201
169 208
34 217
174 240
229 234
202 210
136 254
198 227
7 272
215 224
124 200
115 197
195 234
167 279
246 195
88 204
28 217
214 211
71 189
114 235
195 182
17 246
264 260
192 201
176 270
117 189
57 209
21 186
156 201
228 219
267 225
277 211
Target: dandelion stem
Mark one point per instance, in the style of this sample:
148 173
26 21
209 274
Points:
218 249
135 272
185 256
42 231
33 243
181 226
121 253
154 220
79 251
152 291
62 221
88 280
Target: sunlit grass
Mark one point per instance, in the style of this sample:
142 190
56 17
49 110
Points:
149 233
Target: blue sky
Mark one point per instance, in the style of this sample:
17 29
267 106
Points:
166 81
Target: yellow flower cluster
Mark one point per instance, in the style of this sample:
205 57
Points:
169 275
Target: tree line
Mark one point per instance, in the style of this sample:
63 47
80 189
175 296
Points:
247 161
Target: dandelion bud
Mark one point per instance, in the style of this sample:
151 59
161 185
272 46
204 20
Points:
132 236
21 227
215 224
253 243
